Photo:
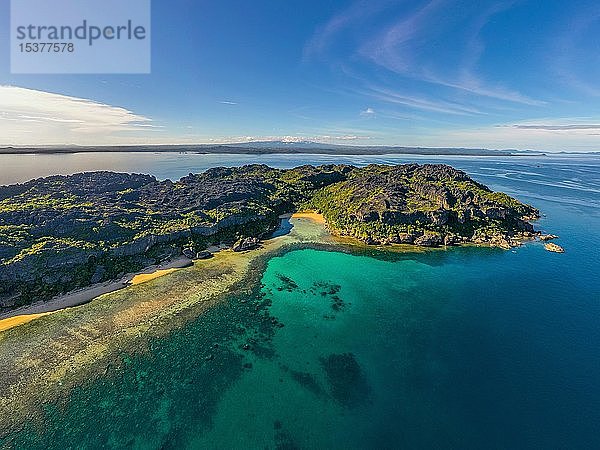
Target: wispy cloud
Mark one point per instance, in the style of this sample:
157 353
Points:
572 127
326 34
227 102
399 49
391 49
61 119
510 136
421 103
564 126
369 112
472 84
406 40
474 48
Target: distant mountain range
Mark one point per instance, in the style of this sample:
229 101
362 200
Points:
270 147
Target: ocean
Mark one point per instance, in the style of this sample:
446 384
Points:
469 348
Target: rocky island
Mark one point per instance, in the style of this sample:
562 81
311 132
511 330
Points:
66 232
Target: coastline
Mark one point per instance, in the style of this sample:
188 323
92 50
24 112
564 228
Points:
270 148
87 294
315 217
15 321
45 358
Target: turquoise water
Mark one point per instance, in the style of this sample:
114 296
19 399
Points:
462 349
467 348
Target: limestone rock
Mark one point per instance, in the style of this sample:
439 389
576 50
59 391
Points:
204 254
548 237
188 252
551 247
244 244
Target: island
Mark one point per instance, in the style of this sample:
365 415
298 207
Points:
63 233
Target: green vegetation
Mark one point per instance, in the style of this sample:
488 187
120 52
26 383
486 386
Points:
23 203
426 205
61 233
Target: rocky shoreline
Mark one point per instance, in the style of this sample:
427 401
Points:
60 233
87 294
428 205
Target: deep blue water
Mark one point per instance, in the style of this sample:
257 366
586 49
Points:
467 348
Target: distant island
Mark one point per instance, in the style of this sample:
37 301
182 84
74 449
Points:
271 147
66 232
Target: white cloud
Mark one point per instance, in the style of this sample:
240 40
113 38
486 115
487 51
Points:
550 127
31 117
369 112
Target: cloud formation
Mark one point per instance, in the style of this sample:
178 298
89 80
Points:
405 39
571 47
369 112
32 117
556 135
326 34
571 127
322 138
424 103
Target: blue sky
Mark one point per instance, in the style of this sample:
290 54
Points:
495 74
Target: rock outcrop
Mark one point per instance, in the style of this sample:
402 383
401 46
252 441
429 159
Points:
548 237
245 244
555 248
204 254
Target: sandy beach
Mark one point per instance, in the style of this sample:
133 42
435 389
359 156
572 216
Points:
294 231
315 217
7 324
80 297
85 295
144 277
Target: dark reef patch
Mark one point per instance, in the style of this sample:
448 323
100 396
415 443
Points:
348 384
329 290
284 440
287 284
307 380
325 288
